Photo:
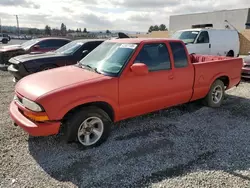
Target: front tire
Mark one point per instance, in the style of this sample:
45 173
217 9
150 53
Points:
90 127
215 95
5 41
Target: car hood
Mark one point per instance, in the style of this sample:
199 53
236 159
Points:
33 57
41 83
10 48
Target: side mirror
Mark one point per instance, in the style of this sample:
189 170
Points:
85 52
36 47
139 69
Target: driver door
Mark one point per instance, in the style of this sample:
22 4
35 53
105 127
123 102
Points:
202 45
153 91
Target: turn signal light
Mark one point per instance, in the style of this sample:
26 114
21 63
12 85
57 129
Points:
38 118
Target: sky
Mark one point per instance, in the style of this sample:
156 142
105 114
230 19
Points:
133 15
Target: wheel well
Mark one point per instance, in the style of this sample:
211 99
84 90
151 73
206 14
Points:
225 80
230 52
102 105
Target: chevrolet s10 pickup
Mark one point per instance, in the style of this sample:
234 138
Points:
120 79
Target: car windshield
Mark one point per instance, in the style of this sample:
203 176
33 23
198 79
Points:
186 36
29 43
109 57
69 48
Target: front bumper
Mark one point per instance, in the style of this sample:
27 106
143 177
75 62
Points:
17 73
245 72
34 129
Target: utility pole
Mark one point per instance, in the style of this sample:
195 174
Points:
17 22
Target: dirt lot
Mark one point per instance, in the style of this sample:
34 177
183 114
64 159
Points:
185 146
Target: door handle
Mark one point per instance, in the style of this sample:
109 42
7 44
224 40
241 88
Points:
171 77
209 45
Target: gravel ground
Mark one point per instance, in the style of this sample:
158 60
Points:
184 146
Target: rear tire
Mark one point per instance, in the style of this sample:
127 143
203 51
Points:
215 95
90 127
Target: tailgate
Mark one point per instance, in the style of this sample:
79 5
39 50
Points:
207 72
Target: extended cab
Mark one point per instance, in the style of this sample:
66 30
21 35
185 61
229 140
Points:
120 79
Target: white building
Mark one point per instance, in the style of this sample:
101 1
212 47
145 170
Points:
237 18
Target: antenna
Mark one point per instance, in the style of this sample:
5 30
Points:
231 25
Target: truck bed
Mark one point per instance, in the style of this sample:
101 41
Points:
208 68
195 58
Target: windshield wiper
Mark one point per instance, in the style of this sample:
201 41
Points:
90 68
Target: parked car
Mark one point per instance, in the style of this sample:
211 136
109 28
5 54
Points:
33 46
69 54
4 38
120 79
246 67
7 36
222 42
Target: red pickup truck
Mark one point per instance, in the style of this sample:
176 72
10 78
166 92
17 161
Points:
120 79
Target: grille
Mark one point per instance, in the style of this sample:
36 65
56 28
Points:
15 66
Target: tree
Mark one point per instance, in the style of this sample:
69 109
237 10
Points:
108 32
85 30
151 28
156 28
56 32
163 27
63 29
77 30
31 31
80 30
47 30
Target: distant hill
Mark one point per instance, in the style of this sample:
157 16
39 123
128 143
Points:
13 29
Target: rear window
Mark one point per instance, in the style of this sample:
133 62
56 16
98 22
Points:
179 53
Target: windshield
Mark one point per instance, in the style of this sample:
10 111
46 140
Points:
109 57
29 43
186 36
69 48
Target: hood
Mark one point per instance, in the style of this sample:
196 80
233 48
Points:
32 57
39 84
10 48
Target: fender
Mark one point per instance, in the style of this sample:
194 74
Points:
72 104
221 74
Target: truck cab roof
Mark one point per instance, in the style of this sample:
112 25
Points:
140 40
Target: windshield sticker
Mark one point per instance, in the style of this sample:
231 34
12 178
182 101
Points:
195 32
131 46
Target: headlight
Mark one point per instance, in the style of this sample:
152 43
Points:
31 105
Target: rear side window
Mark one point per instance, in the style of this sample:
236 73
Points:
92 45
53 43
179 53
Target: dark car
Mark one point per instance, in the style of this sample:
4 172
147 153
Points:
71 53
33 46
